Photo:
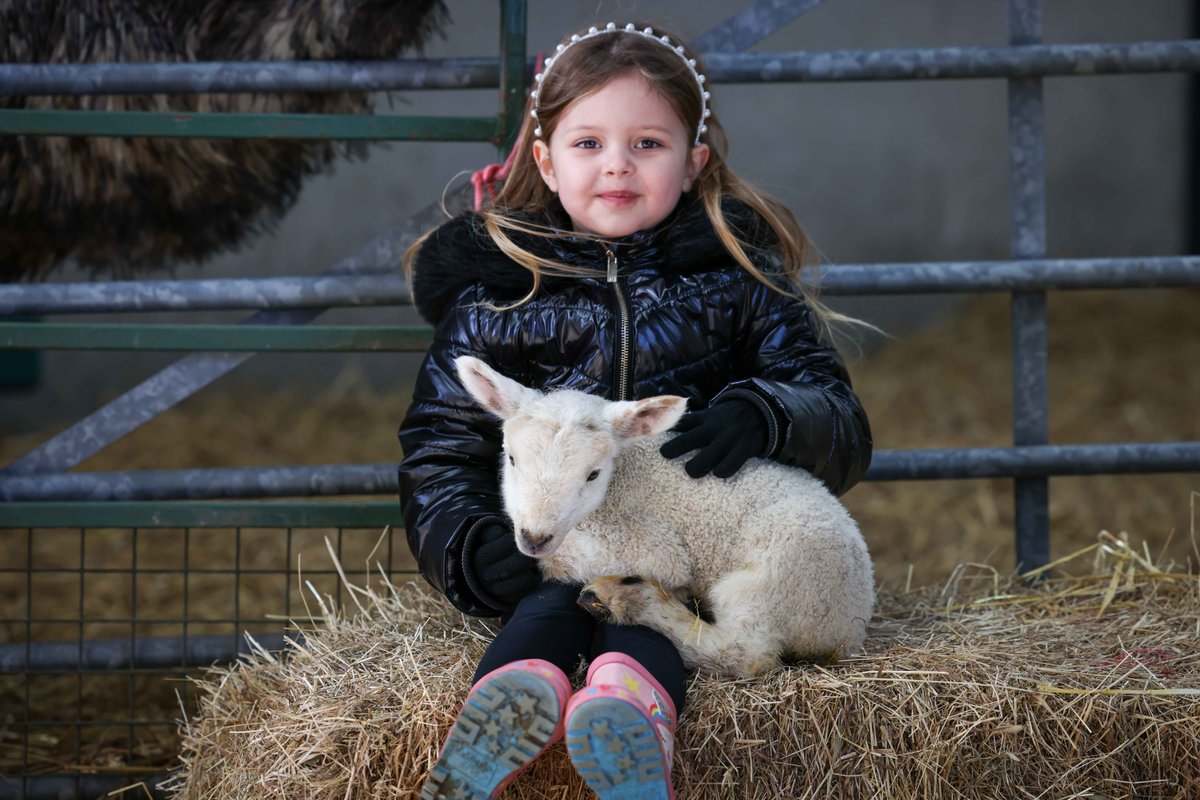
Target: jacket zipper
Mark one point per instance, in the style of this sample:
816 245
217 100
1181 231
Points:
623 335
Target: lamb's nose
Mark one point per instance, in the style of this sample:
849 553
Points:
536 541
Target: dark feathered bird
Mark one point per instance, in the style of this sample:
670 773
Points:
120 205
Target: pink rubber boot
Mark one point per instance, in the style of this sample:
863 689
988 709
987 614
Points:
510 717
620 731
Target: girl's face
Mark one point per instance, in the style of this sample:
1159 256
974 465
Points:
619 158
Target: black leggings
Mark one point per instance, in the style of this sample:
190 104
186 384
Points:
548 624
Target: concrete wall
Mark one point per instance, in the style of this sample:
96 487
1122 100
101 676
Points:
892 171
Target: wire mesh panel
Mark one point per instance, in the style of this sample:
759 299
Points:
100 629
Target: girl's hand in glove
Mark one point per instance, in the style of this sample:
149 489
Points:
501 569
725 436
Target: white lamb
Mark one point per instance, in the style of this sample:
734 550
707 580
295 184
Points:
770 554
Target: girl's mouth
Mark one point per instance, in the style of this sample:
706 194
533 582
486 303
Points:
618 197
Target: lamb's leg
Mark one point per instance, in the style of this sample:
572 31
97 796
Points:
729 647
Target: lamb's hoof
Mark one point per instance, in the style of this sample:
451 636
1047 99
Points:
621 599
594 606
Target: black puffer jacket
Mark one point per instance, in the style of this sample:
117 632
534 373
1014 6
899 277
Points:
680 317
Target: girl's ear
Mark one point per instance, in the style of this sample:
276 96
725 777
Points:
697 158
541 156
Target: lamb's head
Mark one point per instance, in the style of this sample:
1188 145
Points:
559 449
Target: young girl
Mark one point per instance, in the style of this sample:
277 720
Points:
624 258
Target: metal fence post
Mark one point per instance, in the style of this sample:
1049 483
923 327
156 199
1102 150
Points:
1027 176
513 79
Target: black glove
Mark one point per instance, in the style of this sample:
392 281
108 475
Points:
503 571
727 435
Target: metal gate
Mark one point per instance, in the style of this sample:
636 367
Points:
160 513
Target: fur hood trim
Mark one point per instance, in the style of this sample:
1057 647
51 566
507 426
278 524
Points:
460 253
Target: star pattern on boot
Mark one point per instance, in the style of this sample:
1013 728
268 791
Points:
527 704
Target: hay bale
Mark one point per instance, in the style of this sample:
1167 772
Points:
983 688
119 205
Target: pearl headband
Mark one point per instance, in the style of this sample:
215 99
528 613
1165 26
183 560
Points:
647 33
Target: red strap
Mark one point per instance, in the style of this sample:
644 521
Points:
489 175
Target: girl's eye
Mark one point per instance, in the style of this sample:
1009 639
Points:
587 144
649 144
595 474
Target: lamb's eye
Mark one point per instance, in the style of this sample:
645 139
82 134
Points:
595 474
511 461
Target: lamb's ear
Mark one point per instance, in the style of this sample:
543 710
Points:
634 420
496 393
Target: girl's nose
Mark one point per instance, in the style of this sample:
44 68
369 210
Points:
618 162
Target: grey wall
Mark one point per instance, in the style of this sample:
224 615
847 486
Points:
893 171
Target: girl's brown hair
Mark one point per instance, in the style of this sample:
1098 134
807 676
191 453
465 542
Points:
583 68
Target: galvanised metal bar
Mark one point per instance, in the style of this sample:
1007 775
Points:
948 277
723 64
1033 60
213 294
57 787
214 338
372 127
1035 461
228 77
207 484
1027 182
751 25
150 652
740 32
380 479
250 514
384 288
181 124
